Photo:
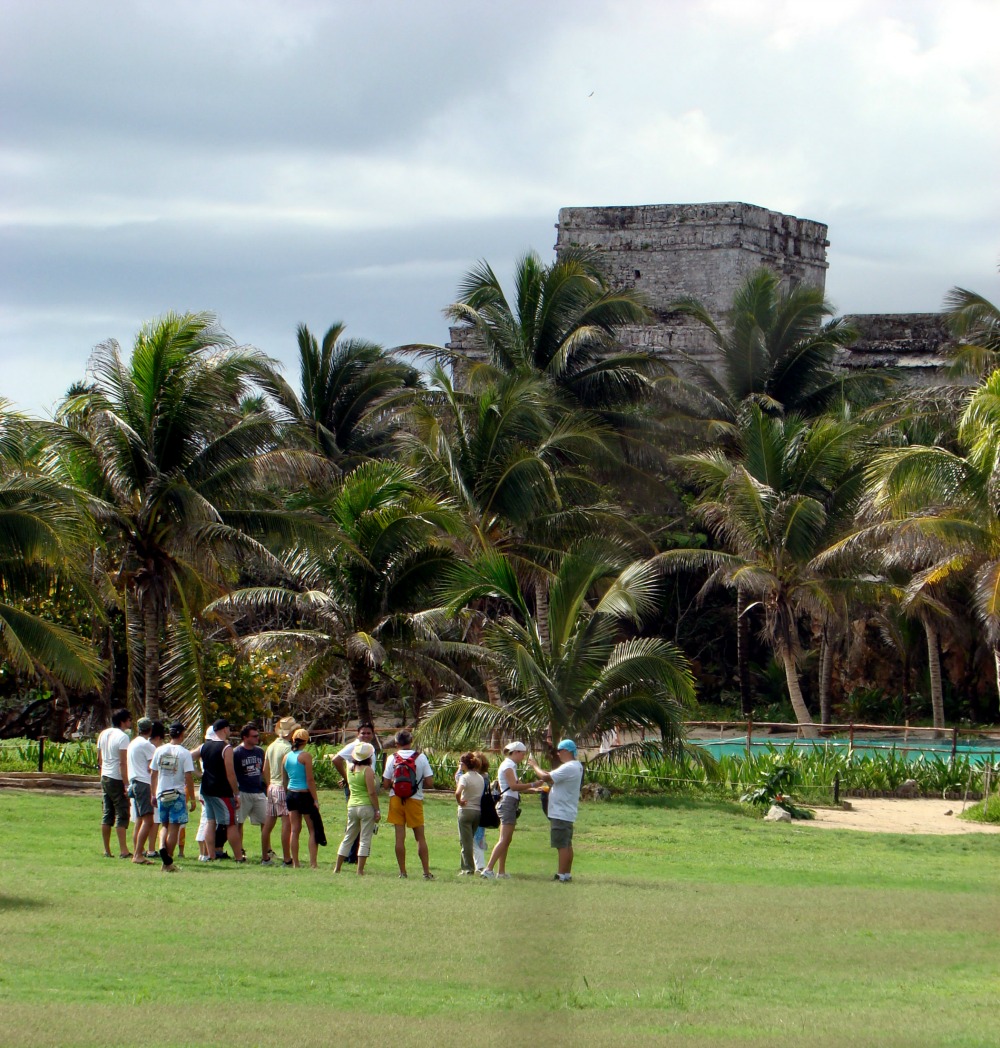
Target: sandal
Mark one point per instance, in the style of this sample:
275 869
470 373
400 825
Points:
126 855
142 862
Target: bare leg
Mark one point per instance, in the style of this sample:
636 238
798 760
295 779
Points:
422 854
293 844
144 828
498 856
313 844
566 860
265 835
234 834
122 832
286 837
106 834
210 837
401 848
362 859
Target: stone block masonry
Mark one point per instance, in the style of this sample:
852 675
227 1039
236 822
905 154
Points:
705 251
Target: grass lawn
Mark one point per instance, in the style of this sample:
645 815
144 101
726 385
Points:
688 923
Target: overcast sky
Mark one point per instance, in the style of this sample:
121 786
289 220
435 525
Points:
306 161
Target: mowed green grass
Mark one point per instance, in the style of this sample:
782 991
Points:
687 924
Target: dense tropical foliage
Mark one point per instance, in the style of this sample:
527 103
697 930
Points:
458 546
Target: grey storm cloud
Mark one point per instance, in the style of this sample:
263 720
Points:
315 160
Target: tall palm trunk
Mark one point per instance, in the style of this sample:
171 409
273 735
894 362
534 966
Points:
795 693
360 676
996 663
151 654
542 610
934 672
743 653
825 675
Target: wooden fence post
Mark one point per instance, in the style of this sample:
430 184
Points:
41 753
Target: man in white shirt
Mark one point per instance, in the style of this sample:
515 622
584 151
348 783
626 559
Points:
139 754
112 766
564 802
408 811
172 774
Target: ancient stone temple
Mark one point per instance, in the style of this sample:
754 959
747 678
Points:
704 251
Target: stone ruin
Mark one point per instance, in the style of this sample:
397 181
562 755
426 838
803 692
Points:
704 251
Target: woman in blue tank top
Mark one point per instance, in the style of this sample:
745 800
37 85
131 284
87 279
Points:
303 803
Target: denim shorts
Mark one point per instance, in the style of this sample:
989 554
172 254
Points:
218 809
174 812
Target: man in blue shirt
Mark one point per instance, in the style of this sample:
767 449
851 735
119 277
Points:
248 763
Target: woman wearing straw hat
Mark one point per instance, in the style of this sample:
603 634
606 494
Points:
507 808
303 803
362 806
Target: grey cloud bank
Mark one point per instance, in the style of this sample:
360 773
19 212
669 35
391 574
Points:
313 162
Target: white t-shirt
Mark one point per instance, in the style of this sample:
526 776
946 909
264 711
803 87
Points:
172 762
111 742
473 783
140 753
424 771
564 797
501 778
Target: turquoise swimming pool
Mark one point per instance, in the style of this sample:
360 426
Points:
978 751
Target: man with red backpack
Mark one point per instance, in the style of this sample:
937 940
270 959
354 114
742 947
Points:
407 773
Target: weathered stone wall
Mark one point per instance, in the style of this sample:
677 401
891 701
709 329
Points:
913 343
668 251
705 251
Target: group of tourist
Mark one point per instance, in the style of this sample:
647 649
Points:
149 779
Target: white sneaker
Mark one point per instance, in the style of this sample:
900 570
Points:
204 858
503 876
488 875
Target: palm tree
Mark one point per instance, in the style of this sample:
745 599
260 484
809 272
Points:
43 532
975 324
349 390
588 676
361 604
775 504
175 469
937 508
563 325
775 346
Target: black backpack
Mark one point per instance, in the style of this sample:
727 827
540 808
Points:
488 817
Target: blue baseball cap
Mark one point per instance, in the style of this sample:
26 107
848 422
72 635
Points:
567 744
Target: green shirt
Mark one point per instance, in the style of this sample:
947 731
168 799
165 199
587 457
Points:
358 787
274 757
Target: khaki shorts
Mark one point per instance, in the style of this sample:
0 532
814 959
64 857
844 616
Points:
560 833
406 813
253 806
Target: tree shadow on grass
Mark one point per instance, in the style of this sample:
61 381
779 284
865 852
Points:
18 902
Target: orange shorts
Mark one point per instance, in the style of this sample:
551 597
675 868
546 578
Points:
406 813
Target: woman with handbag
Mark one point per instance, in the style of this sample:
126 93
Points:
508 807
469 794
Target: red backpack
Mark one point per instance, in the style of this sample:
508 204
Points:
404 775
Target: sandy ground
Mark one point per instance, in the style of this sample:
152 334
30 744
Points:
898 816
